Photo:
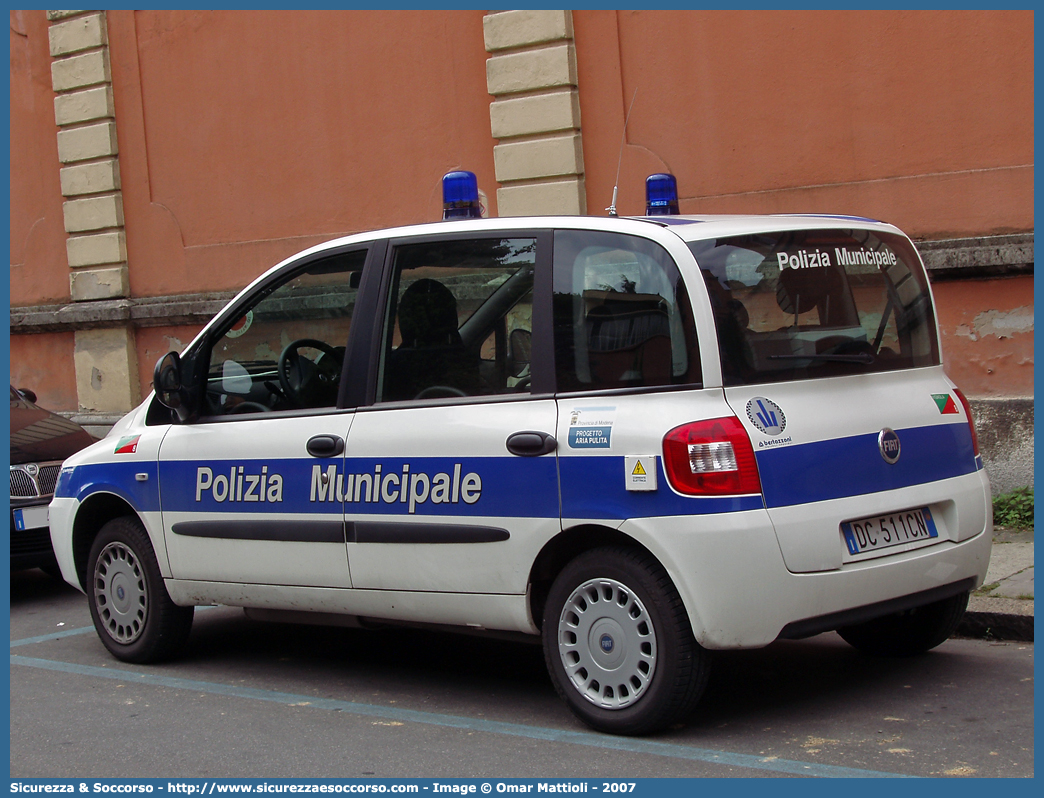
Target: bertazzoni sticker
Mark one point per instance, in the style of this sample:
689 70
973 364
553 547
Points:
766 415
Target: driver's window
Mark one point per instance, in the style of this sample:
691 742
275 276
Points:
286 350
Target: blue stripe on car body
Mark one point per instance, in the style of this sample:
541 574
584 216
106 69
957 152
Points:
592 486
119 478
853 466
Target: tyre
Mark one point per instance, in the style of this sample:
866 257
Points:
910 632
132 613
618 643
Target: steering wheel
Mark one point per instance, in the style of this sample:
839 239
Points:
439 390
248 407
308 382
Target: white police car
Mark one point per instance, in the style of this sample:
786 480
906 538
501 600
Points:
639 438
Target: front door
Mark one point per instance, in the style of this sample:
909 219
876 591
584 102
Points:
245 491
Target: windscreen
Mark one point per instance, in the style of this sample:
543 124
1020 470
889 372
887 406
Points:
817 303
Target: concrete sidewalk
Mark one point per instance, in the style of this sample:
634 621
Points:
1002 609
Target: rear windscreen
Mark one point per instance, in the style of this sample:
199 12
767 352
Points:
817 303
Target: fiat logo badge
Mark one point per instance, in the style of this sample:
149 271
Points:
606 643
888 443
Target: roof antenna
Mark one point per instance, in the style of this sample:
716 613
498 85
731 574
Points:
623 140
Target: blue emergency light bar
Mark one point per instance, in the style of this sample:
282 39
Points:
661 195
460 197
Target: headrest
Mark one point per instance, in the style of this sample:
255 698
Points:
427 314
800 290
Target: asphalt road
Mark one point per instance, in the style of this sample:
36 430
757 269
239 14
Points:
251 699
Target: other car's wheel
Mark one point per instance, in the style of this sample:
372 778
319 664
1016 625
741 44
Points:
910 632
130 607
618 643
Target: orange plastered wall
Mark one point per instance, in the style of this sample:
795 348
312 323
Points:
920 118
987 335
43 363
248 136
39 266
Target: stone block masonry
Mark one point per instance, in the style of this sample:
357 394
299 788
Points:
536 114
105 359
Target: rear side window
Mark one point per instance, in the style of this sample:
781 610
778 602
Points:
817 303
460 320
621 315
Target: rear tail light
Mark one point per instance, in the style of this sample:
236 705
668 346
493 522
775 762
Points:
711 458
971 422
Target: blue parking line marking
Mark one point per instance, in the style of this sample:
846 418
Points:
81 631
590 739
53 636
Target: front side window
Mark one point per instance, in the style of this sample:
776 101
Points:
285 351
816 303
459 320
621 314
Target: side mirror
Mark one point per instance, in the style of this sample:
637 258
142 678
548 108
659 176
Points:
167 381
28 395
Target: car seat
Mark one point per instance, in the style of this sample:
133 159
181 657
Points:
431 354
629 340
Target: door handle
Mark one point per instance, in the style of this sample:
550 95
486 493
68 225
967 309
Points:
325 445
531 444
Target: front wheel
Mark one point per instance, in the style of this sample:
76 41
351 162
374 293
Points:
618 643
132 613
910 632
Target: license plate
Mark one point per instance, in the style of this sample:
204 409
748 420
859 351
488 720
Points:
30 518
888 530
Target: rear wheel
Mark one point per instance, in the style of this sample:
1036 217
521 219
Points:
910 632
132 613
618 643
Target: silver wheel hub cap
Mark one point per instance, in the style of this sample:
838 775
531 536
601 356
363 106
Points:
607 643
119 592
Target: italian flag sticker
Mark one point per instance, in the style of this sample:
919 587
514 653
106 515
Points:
945 402
128 445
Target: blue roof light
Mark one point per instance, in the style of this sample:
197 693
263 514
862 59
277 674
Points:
460 196
661 195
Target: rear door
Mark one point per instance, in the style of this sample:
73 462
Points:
450 480
830 358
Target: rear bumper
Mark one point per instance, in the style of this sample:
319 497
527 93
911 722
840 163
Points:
739 593
835 620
